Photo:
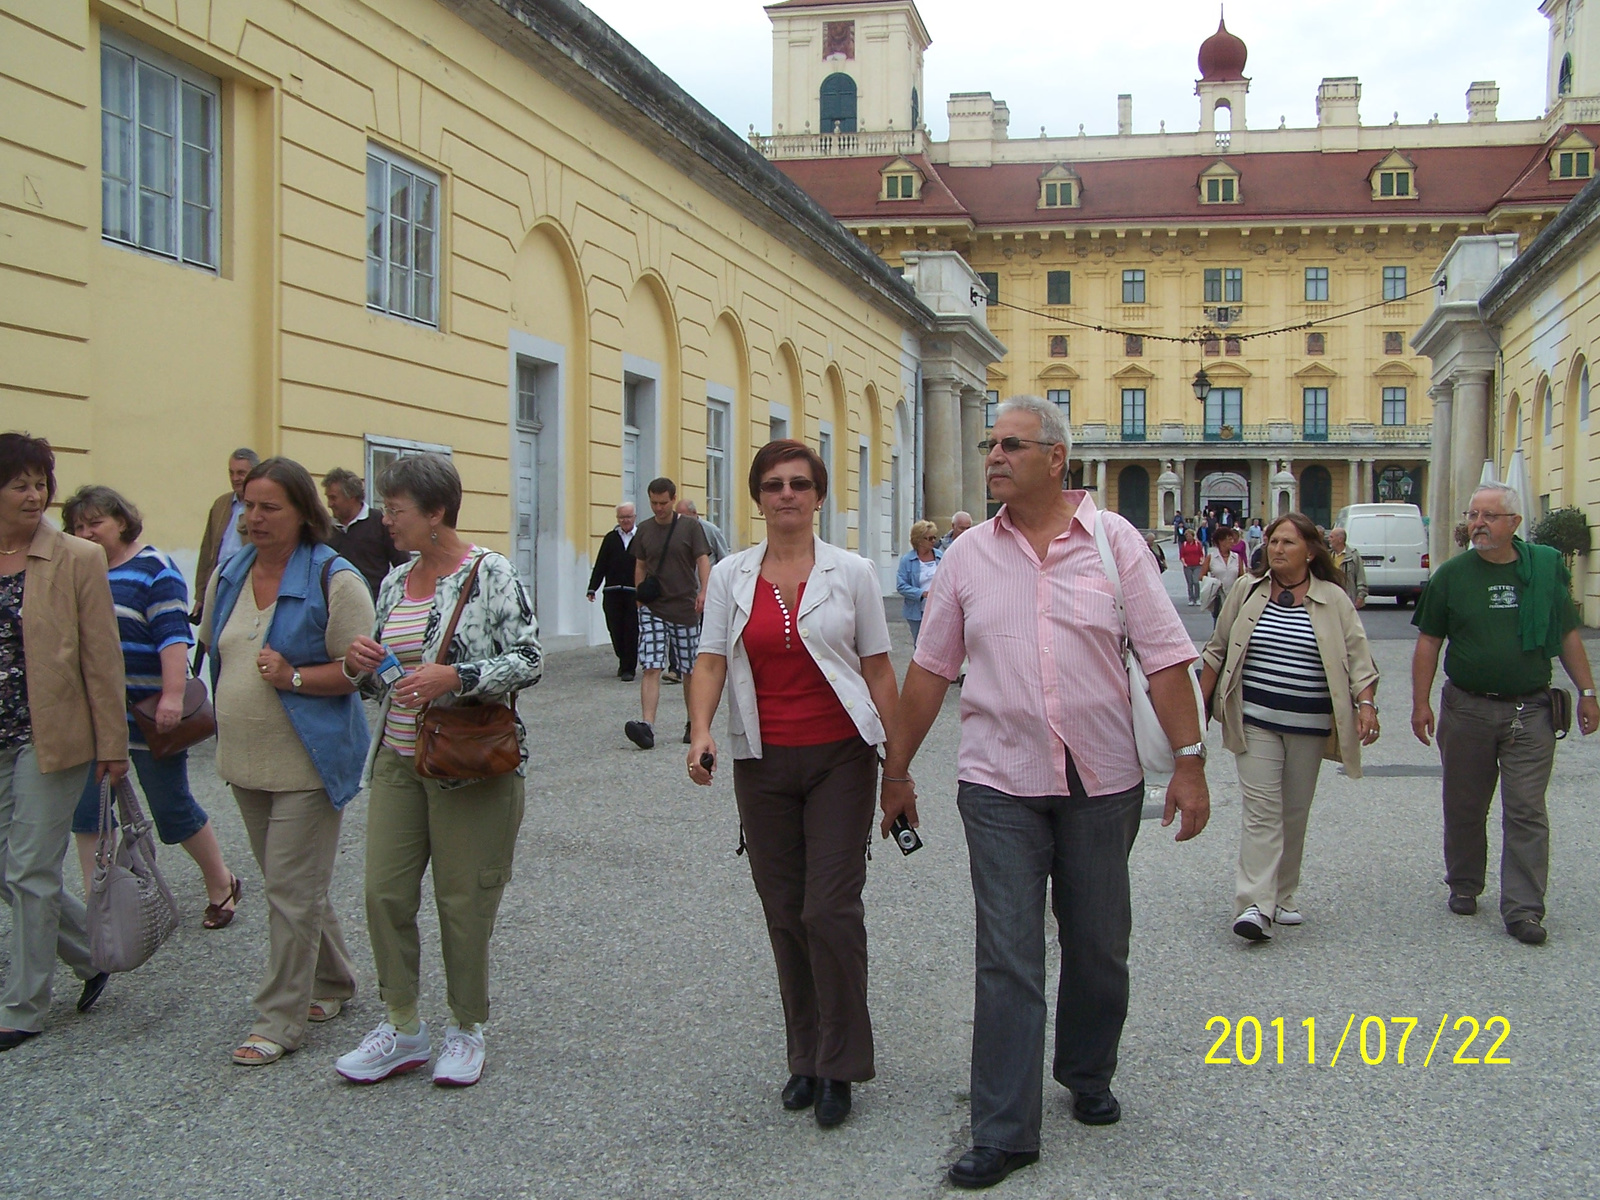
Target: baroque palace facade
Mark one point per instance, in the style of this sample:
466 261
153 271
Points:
1187 250
350 230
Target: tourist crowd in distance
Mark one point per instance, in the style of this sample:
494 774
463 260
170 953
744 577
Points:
1079 684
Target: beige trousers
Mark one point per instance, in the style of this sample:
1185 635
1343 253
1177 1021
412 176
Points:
295 838
1278 774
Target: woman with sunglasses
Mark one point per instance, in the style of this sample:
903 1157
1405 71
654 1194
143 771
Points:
1290 664
797 628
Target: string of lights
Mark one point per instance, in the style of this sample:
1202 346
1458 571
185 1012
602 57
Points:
1207 334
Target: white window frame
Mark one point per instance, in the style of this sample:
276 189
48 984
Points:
775 414
1549 413
377 444
1583 397
380 258
825 452
719 404
182 192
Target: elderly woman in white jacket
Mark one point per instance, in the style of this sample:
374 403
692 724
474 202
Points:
798 628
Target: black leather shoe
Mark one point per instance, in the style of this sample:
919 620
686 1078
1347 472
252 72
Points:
799 1092
833 1102
1529 932
92 989
985 1166
1463 906
10 1039
1101 1108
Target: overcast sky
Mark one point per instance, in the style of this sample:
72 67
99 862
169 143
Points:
1061 64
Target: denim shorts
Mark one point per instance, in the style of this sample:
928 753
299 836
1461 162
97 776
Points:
165 783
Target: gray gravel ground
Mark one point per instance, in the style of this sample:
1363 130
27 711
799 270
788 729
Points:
636 1047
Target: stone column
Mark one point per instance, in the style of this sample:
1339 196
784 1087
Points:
1180 468
1469 435
1368 480
1441 502
942 431
1353 493
1100 484
974 495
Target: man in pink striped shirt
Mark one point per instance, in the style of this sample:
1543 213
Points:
1051 790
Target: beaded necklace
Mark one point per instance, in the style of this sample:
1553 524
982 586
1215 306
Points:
788 621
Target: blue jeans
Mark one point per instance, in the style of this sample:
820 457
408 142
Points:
165 781
916 627
1079 845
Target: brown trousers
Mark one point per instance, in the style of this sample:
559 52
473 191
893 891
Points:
807 813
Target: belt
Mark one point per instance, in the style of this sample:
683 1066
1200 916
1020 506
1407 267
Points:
1525 698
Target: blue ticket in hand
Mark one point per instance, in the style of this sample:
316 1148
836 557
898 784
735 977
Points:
389 669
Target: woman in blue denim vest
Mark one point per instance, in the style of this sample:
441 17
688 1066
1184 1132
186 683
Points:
291 737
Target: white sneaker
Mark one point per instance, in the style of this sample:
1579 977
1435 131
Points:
1288 916
461 1061
385 1052
1253 925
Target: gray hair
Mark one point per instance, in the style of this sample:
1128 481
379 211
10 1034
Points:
245 454
347 481
428 479
688 506
956 516
1508 496
1052 428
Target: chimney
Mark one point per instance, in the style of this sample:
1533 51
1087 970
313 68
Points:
1124 115
1483 101
1339 101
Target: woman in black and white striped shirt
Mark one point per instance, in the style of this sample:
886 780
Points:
1289 672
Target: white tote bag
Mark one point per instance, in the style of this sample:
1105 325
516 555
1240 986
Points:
1155 748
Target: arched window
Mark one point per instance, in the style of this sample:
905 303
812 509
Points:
1564 80
1549 414
916 109
1583 397
838 104
1316 495
1133 496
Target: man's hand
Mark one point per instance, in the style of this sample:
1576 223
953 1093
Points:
700 603
898 799
1422 721
114 770
589 596
1588 715
1188 794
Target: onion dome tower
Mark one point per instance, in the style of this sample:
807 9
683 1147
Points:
1222 83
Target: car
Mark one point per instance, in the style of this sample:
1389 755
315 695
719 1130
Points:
1393 543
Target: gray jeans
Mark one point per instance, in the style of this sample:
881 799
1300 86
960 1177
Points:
46 920
1079 845
1481 739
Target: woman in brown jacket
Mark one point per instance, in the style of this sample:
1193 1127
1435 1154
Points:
61 716
1289 672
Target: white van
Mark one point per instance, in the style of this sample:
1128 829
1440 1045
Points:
1393 544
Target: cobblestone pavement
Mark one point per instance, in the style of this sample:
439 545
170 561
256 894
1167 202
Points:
636 1046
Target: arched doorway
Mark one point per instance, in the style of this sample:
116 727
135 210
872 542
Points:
1225 489
1133 496
838 103
1316 495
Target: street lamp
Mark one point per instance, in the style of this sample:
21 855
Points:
1202 385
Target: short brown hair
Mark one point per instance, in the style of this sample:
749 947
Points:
297 484
21 452
785 450
94 500
347 481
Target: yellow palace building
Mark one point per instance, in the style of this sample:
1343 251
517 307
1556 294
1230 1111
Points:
348 230
1290 265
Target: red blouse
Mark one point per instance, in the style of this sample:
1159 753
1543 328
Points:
794 702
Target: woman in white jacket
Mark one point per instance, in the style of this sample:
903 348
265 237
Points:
797 627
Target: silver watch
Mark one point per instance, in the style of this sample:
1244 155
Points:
295 681
1198 750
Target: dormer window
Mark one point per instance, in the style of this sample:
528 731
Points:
901 181
1219 184
1394 178
1573 158
1060 187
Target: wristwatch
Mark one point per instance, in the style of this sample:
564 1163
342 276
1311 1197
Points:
1198 750
295 681
1587 693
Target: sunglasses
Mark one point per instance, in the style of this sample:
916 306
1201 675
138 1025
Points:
799 485
1010 444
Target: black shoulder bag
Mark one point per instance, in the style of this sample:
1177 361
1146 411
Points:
649 588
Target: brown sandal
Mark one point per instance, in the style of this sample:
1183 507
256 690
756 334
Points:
217 916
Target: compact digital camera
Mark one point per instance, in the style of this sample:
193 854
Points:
905 837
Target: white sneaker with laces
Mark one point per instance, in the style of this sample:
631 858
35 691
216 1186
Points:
1288 916
1253 925
461 1061
385 1052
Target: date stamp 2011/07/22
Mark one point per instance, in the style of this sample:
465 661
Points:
1248 1041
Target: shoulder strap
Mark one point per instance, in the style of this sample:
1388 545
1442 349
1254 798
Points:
1109 564
455 617
661 560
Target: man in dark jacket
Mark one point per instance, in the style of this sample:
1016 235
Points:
359 534
613 568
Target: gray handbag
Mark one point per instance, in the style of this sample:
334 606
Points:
131 909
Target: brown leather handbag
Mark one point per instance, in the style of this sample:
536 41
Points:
197 724
466 741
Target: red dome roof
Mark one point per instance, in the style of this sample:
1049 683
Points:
1222 56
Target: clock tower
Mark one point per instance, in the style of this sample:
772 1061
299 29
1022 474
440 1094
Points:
1574 65
847 66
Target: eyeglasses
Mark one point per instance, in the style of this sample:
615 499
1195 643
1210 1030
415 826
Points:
799 485
1477 514
1011 444
390 510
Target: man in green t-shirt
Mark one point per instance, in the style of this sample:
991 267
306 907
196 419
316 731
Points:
1506 610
